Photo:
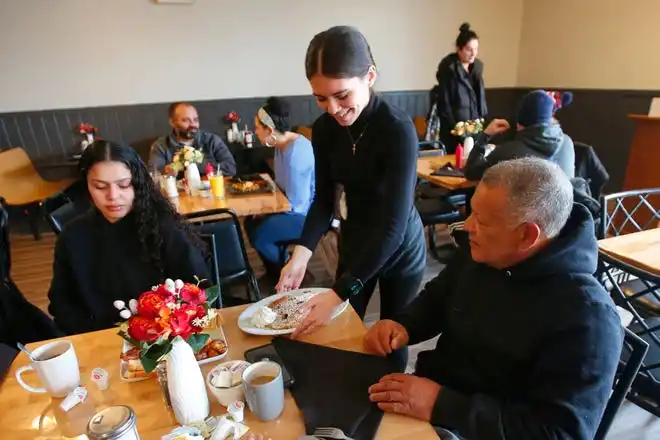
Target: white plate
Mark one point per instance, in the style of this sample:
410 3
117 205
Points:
215 333
245 324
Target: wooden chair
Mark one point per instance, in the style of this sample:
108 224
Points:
420 126
21 185
305 131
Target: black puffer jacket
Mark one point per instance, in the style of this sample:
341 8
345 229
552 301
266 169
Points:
460 96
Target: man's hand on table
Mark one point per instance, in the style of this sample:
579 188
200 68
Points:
406 394
385 336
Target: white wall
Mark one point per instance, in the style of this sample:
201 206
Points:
596 44
74 53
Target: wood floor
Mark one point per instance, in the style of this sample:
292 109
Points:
32 268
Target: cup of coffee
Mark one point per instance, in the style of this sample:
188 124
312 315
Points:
264 390
56 365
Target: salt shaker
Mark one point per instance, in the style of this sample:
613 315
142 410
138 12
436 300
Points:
113 423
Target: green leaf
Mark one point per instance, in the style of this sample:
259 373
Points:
212 294
150 354
197 341
124 334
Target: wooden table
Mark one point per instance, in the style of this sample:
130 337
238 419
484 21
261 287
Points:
243 205
427 164
639 249
26 415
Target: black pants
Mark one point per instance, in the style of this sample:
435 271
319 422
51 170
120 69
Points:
396 292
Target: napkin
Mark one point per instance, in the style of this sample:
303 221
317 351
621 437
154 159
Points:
331 386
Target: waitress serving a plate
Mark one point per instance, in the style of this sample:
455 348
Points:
370 148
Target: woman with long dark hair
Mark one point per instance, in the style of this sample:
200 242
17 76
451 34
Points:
130 240
369 147
460 94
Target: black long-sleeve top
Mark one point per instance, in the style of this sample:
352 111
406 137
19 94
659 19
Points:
378 180
97 262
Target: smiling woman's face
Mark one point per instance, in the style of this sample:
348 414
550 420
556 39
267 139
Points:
111 189
343 98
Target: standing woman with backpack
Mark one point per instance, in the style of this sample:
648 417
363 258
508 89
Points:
370 147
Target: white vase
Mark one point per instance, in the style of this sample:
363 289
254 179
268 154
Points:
185 383
193 179
467 148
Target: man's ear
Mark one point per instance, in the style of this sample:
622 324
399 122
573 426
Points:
530 234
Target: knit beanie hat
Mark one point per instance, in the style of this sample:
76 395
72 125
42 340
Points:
536 108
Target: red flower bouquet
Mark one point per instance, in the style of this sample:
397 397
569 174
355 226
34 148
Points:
231 117
168 311
85 128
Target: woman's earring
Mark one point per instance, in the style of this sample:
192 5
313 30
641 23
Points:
270 140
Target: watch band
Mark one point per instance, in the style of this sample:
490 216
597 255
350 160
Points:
348 286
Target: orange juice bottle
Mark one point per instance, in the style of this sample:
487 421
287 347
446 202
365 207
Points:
218 185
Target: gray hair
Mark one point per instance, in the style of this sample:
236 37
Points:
539 192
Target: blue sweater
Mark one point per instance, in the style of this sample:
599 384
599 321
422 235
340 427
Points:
294 173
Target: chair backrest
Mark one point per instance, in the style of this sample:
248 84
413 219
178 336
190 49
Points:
5 256
212 263
228 238
629 211
14 164
420 126
632 356
637 297
305 131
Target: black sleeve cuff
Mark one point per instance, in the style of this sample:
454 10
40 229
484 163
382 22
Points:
347 286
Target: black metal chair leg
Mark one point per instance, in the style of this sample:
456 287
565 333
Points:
33 215
253 289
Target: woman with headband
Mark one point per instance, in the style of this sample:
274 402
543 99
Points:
370 147
294 175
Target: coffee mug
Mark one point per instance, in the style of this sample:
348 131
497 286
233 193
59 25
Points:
264 390
56 365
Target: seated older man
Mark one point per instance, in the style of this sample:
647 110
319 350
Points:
529 340
185 131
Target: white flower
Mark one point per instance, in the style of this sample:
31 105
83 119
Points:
212 313
173 306
125 314
199 322
169 285
178 284
119 304
132 304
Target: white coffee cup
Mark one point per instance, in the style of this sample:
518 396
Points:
56 365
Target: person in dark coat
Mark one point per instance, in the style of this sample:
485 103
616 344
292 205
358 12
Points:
529 340
460 94
539 135
20 320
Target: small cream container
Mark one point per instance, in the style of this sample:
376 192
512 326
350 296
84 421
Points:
226 396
